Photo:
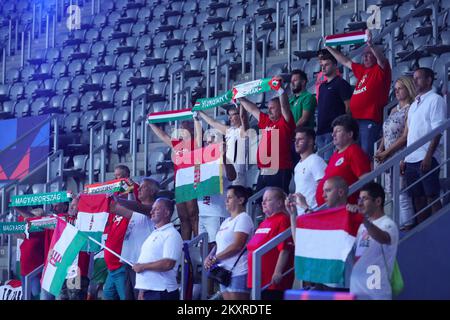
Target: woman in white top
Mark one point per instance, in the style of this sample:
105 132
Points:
231 240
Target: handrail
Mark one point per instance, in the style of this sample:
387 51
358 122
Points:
256 265
203 238
27 282
92 151
208 68
244 44
263 39
298 13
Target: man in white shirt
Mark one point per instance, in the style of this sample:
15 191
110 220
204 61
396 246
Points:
426 113
156 269
309 170
376 247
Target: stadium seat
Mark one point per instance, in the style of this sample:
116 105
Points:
27 73
86 101
8 110
16 91
122 98
12 76
30 88
121 118
23 109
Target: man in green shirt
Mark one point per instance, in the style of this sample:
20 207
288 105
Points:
302 103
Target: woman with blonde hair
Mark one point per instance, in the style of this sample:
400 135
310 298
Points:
394 138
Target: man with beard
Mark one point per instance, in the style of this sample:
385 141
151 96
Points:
302 103
334 100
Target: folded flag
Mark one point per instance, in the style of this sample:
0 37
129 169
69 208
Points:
11 290
166 116
346 38
322 243
207 103
93 212
255 87
65 245
40 198
118 185
201 178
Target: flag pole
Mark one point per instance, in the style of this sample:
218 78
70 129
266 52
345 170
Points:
102 246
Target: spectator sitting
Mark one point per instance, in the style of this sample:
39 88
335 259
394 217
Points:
376 245
182 145
274 157
160 255
426 113
371 91
278 260
231 240
302 103
348 161
334 100
235 139
310 169
394 138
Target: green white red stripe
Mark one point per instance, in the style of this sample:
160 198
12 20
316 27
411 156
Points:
201 178
118 185
93 212
166 116
346 38
322 243
255 87
207 103
65 245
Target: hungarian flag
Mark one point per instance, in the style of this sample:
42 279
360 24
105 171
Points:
346 38
166 116
93 212
202 177
322 243
66 243
255 87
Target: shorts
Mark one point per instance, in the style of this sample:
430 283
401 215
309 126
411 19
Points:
210 225
238 284
430 186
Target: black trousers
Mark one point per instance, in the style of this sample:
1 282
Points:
281 179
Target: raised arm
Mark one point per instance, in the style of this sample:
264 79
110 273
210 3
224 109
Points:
133 205
198 136
250 107
284 101
24 212
213 123
161 134
340 57
244 120
381 59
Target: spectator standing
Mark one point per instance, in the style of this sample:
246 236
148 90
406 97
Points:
394 138
182 145
376 246
371 92
231 240
274 150
310 169
333 101
321 77
278 260
160 255
235 139
302 103
426 113
349 161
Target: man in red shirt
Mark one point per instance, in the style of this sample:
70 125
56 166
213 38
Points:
278 260
371 92
274 150
349 161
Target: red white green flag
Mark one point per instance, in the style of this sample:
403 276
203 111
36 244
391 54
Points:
166 116
322 243
203 177
255 87
65 245
346 38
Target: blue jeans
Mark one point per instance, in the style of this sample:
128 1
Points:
115 287
369 133
323 140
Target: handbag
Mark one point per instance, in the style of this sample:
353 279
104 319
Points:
396 278
222 275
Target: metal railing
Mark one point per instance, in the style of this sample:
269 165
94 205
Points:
93 150
27 282
203 240
134 123
297 13
244 44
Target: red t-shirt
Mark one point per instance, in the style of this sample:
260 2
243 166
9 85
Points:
179 151
267 230
371 92
349 164
31 250
116 233
286 135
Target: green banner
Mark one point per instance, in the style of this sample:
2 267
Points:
255 87
12 227
40 198
208 103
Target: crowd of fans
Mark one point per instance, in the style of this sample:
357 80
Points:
347 127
